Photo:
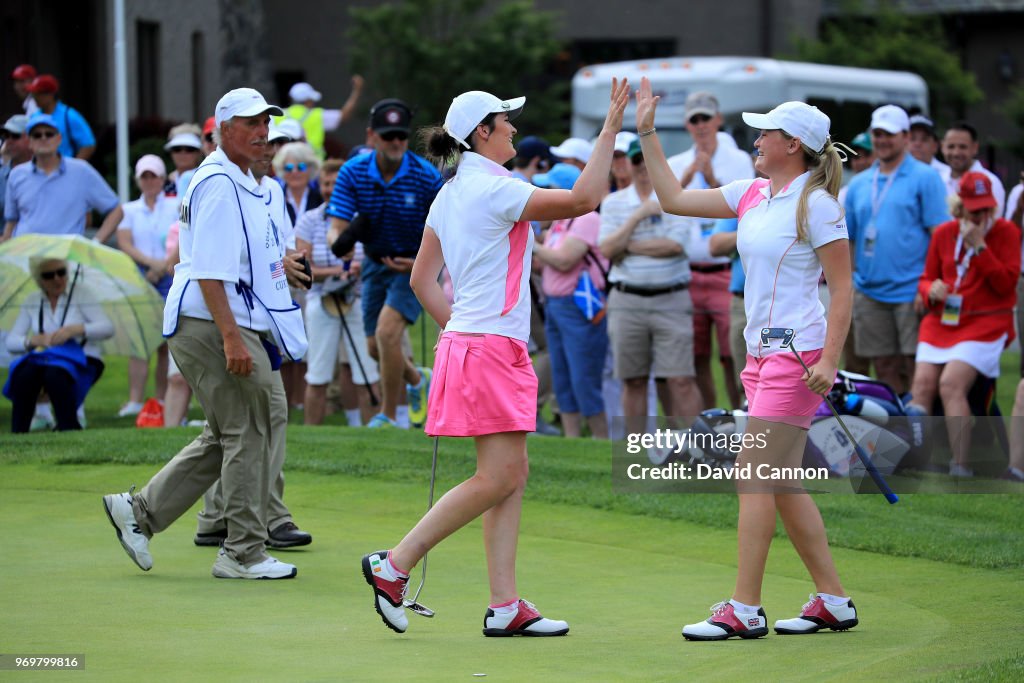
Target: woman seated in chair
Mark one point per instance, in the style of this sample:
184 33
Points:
57 331
968 289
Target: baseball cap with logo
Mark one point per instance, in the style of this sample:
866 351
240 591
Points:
151 163
701 102
891 119
975 191
16 124
44 83
390 115
300 92
243 102
23 72
470 108
560 177
574 148
797 119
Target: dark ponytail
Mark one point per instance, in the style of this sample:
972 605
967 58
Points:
443 149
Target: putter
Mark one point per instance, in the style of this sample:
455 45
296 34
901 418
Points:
414 603
787 340
352 344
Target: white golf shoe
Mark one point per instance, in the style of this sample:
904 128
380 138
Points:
818 614
226 567
388 591
119 510
524 621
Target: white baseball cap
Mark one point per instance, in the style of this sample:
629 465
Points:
797 119
243 102
574 148
290 128
276 133
300 92
151 163
622 140
470 108
184 140
890 118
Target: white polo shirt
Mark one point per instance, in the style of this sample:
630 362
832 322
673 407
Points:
212 244
487 248
149 226
729 163
782 272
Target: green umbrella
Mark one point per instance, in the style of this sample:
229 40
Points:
108 275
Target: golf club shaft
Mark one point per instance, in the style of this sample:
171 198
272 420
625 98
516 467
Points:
430 504
359 361
861 453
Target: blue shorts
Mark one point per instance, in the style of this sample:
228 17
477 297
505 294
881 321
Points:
577 349
383 286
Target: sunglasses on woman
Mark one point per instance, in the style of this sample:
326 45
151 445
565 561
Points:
699 118
50 274
179 150
300 167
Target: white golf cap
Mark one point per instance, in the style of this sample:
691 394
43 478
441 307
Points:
289 128
797 119
184 140
470 108
300 92
575 148
243 102
151 163
622 140
890 118
276 133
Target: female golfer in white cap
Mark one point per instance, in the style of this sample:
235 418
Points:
483 384
790 228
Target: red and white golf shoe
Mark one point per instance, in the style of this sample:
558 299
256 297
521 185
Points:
818 614
726 622
388 591
525 621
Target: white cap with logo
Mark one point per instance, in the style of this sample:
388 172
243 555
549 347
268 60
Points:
574 148
891 119
243 102
797 119
470 108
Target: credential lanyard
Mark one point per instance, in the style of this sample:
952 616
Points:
962 263
876 199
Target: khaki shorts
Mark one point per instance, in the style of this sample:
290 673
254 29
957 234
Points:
884 329
651 335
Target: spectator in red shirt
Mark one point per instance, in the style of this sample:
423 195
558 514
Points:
969 284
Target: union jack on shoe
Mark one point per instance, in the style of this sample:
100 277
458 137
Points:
818 614
525 621
388 591
726 622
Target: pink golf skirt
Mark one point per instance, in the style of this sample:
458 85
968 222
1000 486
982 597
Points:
776 391
482 384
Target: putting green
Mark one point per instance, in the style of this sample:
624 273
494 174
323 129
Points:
625 583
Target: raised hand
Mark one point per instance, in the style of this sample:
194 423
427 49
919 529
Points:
617 105
646 103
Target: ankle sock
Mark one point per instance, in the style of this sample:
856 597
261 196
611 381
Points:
834 600
505 607
354 418
395 571
746 609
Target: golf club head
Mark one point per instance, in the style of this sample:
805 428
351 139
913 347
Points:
419 609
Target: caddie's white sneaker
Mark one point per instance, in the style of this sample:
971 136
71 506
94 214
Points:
118 507
524 621
726 622
388 591
227 567
818 614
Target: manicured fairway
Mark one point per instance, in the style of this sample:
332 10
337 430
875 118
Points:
625 582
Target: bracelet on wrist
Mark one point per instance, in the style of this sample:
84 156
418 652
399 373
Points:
644 134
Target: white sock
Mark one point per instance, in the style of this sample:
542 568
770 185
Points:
833 600
393 569
402 416
44 411
1017 472
509 608
354 417
746 609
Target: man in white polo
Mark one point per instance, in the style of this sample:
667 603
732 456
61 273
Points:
229 319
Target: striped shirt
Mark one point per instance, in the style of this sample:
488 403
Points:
396 210
650 272
312 227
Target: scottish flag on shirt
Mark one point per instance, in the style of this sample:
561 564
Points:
589 299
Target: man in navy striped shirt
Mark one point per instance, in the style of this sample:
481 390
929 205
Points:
392 188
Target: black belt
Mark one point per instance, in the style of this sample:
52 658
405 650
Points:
710 268
640 291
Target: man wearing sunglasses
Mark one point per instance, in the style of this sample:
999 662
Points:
713 161
391 189
53 193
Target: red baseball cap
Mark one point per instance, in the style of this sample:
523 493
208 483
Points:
23 72
976 191
210 124
44 83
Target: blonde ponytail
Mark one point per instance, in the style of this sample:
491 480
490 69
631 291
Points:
826 171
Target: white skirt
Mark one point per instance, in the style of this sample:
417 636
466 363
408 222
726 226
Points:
982 356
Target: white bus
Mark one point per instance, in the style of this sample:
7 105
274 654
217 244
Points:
846 94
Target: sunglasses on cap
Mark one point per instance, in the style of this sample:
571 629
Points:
179 150
394 135
300 167
50 274
40 134
699 118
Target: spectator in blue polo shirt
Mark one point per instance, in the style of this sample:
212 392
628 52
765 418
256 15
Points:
391 189
53 193
77 139
891 209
